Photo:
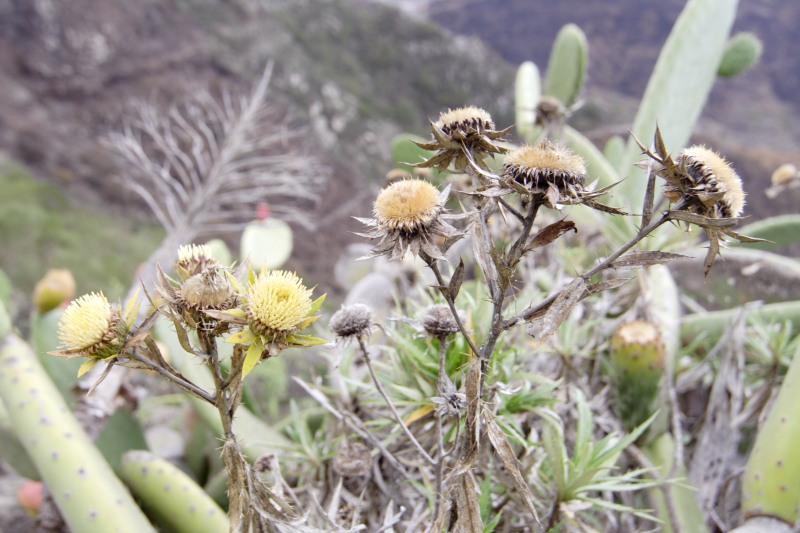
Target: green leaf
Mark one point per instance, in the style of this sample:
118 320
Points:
252 358
243 337
681 81
87 365
316 305
305 340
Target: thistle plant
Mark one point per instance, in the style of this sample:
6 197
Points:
206 302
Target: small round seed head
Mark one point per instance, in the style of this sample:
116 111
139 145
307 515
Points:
277 302
407 205
550 110
537 166
87 322
209 289
193 259
351 321
439 322
714 183
464 121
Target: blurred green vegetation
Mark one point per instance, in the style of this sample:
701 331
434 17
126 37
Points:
40 229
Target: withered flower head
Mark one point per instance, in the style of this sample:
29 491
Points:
408 215
193 259
91 327
708 184
463 135
191 298
705 191
439 321
549 174
353 320
541 166
550 112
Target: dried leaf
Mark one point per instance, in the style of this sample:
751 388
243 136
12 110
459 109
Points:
549 234
468 507
471 438
645 259
506 453
594 288
483 257
559 309
456 280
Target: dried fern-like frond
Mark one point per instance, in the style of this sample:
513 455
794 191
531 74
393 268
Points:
204 165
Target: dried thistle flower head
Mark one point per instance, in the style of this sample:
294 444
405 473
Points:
705 189
407 205
551 174
193 259
90 326
277 303
550 112
708 184
408 215
207 290
784 174
462 136
439 321
353 320
539 166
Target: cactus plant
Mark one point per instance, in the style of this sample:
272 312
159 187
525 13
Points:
638 358
781 230
769 484
566 70
91 498
681 81
55 288
267 243
528 90
170 496
741 54
712 324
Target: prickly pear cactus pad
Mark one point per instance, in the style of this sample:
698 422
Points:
88 494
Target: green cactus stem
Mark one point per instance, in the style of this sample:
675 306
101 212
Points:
712 324
566 70
527 91
88 494
781 230
770 482
170 496
638 359
741 54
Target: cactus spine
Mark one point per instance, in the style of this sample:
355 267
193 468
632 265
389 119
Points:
566 71
770 483
89 495
170 496
741 54
638 359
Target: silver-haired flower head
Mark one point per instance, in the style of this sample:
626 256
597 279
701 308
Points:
352 321
409 215
451 402
439 321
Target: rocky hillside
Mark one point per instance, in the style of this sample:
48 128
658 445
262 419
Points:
352 73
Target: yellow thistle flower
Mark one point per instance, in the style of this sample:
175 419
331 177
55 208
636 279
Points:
277 302
86 322
275 306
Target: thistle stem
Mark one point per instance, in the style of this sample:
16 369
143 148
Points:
388 401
